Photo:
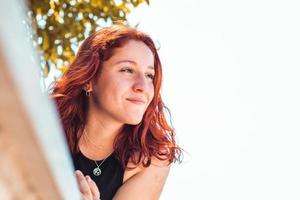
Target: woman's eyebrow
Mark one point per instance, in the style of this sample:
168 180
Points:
122 61
151 67
132 62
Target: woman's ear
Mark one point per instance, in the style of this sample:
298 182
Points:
88 87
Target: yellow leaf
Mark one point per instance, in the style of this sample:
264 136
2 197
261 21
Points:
52 5
45 43
105 8
95 3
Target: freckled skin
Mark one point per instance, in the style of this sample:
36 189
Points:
127 74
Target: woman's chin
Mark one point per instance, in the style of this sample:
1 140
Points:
134 121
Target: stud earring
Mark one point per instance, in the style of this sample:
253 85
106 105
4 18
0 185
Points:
87 93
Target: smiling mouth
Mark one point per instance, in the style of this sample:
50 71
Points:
136 101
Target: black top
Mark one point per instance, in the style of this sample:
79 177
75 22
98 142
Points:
111 177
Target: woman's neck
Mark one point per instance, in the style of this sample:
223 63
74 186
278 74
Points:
98 136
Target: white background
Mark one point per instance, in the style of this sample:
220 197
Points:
232 82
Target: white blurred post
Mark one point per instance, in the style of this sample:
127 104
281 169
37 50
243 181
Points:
34 159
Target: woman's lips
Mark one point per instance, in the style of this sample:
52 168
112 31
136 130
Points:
136 100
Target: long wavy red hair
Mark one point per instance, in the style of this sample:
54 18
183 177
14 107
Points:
153 136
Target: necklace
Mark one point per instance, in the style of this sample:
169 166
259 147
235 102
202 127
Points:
86 137
97 171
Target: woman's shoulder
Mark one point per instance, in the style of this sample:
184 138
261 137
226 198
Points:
152 178
156 165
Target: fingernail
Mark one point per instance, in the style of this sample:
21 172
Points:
89 179
78 173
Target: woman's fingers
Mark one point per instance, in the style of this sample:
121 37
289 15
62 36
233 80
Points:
93 187
83 186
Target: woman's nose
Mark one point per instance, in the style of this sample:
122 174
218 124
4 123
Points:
139 84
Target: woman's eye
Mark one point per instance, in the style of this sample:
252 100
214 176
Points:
151 76
126 69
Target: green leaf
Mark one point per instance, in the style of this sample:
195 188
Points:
72 23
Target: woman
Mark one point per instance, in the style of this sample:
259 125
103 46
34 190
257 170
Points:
112 113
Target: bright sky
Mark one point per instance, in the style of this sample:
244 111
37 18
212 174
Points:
231 80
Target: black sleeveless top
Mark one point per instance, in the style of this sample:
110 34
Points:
111 177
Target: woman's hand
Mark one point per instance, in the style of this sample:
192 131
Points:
87 187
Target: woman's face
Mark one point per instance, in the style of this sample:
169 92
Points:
125 87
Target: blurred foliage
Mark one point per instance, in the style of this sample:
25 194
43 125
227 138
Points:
60 25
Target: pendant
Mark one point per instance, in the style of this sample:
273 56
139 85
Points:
97 171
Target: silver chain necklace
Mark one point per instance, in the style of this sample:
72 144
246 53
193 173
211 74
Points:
97 171
88 139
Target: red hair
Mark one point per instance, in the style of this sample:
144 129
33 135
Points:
153 136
